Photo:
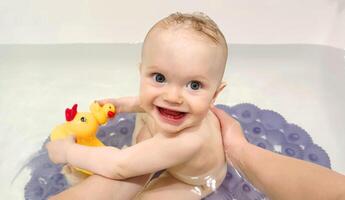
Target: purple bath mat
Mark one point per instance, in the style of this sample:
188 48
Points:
264 128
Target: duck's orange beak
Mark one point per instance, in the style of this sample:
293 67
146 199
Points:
111 114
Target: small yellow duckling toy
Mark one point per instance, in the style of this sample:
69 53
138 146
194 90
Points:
84 125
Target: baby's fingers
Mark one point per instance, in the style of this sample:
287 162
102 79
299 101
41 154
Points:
104 101
71 138
47 145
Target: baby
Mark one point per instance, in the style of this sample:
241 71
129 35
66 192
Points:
183 61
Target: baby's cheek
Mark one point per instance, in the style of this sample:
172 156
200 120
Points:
200 106
144 99
147 96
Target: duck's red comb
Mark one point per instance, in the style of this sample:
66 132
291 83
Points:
71 113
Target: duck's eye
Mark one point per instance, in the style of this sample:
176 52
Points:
83 119
159 77
194 85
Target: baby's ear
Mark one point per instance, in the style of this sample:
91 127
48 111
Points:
219 89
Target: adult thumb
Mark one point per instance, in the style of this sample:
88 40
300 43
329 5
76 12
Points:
230 128
226 122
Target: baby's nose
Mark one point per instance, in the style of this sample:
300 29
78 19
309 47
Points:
173 96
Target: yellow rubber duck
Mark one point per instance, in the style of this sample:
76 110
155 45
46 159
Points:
84 125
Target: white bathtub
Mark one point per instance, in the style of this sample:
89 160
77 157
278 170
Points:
305 83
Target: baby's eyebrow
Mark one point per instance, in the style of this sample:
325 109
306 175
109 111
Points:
151 66
198 78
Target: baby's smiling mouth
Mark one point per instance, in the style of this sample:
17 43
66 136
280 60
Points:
171 114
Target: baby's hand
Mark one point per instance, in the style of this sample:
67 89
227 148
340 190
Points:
57 149
113 101
123 104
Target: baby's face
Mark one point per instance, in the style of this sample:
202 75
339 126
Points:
180 77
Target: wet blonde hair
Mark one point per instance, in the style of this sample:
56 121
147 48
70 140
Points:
197 21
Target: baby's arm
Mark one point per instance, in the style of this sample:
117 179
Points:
151 155
124 104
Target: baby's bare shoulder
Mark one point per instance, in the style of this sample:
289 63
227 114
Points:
208 128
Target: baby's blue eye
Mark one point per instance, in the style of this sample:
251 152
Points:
194 85
159 77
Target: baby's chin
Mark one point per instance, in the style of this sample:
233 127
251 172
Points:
171 129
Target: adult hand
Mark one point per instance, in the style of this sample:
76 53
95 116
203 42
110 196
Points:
266 169
233 137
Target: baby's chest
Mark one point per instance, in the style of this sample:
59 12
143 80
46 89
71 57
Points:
142 130
143 134
209 155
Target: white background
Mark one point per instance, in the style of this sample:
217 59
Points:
112 21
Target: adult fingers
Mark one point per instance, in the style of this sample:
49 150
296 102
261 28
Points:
226 122
231 129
